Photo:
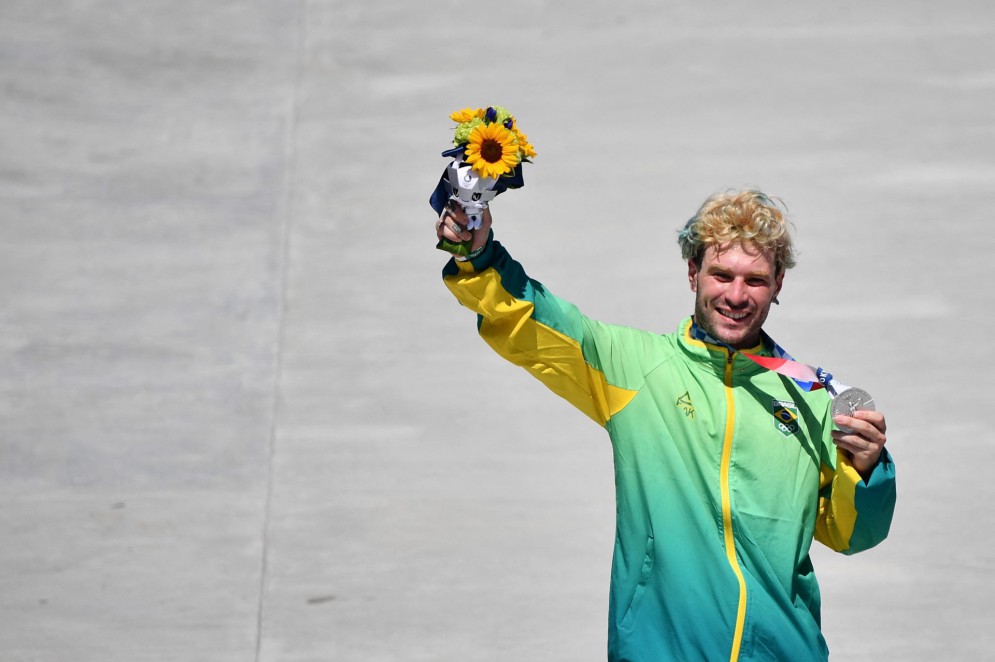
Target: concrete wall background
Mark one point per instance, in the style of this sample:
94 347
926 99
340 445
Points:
240 419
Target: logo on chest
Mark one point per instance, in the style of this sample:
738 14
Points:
684 404
785 417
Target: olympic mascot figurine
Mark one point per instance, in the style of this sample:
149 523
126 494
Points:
486 161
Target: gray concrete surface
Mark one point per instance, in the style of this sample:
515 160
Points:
240 419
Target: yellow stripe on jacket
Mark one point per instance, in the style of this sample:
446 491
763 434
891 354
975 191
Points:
554 358
837 512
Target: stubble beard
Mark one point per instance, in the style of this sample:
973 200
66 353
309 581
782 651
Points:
703 318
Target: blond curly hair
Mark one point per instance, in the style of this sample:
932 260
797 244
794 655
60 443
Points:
747 216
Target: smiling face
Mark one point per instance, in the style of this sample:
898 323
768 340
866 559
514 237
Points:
734 287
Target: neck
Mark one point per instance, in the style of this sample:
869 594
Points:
699 332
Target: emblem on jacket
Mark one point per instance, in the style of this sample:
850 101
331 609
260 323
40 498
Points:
785 417
684 403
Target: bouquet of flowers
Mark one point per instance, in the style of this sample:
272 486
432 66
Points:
487 160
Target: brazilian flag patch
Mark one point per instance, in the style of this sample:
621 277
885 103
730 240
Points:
785 417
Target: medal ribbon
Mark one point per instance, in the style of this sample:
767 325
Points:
807 377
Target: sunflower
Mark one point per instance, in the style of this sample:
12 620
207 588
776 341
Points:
465 115
492 150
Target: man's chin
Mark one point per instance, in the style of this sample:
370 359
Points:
737 338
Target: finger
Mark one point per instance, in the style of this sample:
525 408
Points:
861 456
874 418
447 228
456 210
858 426
453 225
856 443
454 231
852 449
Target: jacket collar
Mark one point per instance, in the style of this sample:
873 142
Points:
703 347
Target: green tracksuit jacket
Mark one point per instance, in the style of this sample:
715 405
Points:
724 472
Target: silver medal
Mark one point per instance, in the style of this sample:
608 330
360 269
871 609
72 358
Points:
852 400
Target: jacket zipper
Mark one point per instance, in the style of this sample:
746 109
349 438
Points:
730 542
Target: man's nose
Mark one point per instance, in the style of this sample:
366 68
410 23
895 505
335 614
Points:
736 293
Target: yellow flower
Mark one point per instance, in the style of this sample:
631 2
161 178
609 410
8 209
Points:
525 149
492 150
465 115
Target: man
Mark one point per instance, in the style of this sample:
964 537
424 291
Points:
724 470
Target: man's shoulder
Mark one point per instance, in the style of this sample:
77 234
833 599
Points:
637 348
634 336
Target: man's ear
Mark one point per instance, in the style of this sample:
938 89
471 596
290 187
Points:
693 275
778 281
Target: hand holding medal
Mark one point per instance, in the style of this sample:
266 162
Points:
850 401
860 427
487 160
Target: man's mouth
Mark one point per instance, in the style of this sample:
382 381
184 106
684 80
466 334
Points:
728 314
